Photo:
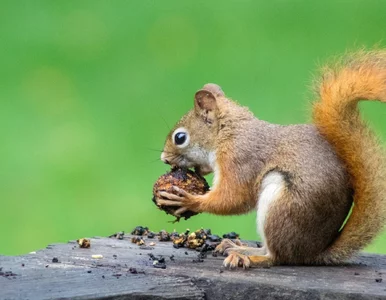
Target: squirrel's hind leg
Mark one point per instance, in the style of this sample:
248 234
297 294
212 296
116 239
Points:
272 188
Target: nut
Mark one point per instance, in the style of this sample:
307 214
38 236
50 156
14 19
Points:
185 179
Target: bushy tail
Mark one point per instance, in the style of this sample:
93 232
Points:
361 76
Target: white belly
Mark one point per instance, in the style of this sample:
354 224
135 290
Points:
271 188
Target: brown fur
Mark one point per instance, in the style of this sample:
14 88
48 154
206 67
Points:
324 168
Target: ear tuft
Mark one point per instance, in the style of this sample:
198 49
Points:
214 89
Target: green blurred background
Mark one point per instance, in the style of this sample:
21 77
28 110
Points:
89 88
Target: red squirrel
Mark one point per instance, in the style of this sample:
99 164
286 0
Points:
302 179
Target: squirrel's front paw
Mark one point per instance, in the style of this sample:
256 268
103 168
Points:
182 198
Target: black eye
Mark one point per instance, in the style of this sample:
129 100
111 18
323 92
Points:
180 138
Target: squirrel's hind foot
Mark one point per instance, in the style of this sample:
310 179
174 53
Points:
236 259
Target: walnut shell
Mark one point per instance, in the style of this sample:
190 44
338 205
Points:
185 179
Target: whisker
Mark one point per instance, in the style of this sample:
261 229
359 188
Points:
168 152
153 161
173 157
167 125
156 150
160 151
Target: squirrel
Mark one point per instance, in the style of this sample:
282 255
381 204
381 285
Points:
319 189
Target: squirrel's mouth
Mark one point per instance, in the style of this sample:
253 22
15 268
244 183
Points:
180 161
176 161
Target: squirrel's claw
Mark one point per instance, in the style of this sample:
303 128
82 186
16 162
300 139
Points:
235 259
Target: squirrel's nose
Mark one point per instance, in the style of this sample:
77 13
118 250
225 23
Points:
163 158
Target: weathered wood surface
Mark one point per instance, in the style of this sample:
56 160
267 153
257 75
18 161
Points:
78 276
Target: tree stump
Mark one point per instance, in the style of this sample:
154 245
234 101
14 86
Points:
126 271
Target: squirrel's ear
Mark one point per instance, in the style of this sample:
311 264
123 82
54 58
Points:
205 100
205 105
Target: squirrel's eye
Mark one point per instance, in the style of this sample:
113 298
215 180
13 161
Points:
180 137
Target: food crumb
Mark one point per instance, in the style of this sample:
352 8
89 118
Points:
118 235
158 263
164 236
55 260
84 243
140 230
137 240
231 235
97 256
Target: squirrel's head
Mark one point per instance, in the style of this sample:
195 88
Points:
192 141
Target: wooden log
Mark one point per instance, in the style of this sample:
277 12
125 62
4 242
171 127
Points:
126 271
